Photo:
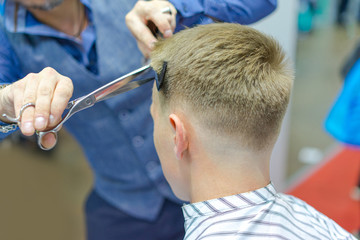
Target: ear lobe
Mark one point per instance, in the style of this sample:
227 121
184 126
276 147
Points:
180 139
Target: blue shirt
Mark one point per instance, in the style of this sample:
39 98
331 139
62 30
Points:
116 135
81 50
240 11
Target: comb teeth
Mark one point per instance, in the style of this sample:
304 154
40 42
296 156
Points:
160 77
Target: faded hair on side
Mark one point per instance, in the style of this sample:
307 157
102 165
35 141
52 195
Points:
235 80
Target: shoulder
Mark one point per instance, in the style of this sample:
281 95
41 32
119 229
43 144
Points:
311 219
282 217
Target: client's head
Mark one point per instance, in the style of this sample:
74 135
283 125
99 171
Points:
226 89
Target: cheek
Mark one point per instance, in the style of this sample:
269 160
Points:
151 111
159 136
161 142
156 138
163 148
156 142
169 165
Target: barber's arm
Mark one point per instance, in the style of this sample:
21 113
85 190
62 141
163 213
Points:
239 11
9 71
188 13
48 90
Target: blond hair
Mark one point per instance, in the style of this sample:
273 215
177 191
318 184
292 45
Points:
234 78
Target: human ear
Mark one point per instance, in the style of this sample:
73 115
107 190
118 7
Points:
180 139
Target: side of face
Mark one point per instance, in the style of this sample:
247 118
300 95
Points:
164 139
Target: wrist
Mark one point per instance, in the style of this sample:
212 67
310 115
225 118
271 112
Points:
5 126
3 103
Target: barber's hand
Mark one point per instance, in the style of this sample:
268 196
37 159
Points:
146 13
48 90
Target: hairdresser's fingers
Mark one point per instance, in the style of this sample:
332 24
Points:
141 32
47 91
15 98
53 94
144 50
48 80
143 14
62 95
27 96
164 21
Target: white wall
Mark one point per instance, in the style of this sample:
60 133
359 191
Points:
282 25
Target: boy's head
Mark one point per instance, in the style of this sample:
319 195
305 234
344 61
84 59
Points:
227 84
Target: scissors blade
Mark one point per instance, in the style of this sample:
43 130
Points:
127 87
111 89
103 92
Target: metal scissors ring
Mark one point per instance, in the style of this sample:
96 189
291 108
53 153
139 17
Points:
117 86
18 118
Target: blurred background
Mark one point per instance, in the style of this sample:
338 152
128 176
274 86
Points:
42 193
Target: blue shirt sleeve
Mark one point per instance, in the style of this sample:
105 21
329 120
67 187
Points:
9 64
237 11
9 67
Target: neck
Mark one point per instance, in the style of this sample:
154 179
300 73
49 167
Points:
69 17
215 176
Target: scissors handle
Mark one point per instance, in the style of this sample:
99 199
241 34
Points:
22 109
53 131
42 134
74 107
111 89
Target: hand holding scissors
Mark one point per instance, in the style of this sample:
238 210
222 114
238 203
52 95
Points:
117 86
40 97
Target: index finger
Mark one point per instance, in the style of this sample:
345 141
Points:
62 95
165 21
141 32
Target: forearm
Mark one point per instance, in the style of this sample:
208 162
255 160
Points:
9 63
4 131
9 73
239 11
5 128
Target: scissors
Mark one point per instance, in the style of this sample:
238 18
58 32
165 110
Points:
117 86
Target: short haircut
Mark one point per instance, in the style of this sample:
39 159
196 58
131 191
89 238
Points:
235 80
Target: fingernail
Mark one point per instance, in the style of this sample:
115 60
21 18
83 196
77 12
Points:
39 122
27 127
152 44
52 119
167 33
